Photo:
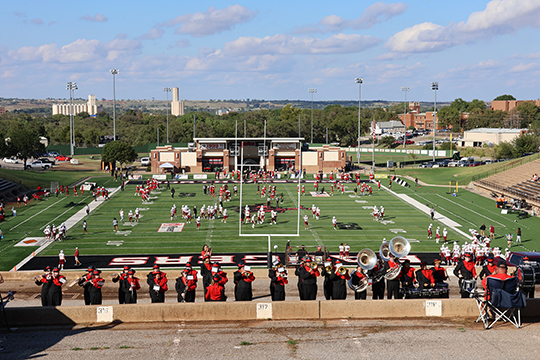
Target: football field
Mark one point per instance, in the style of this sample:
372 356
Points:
406 214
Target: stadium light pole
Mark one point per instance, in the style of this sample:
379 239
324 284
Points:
434 87
167 90
405 89
359 81
312 91
114 72
71 86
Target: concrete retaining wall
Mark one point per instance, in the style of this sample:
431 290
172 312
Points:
232 311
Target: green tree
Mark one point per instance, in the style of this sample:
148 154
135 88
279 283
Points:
505 150
528 111
504 97
24 142
118 151
476 104
460 105
526 143
388 141
449 117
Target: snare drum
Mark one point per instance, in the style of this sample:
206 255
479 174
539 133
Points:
468 285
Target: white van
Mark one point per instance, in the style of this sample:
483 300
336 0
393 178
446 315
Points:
145 161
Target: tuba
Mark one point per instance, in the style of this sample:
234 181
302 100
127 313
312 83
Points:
399 247
360 287
367 259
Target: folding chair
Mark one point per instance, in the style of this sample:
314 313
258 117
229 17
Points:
503 300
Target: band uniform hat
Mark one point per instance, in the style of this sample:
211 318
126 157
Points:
156 271
307 259
502 264
526 258
96 272
338 262
131 272
241 264
126 267
490 260
56 270
468 254
436 261
425 263
156 266
47 268
188 264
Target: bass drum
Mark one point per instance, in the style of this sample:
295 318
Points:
526 276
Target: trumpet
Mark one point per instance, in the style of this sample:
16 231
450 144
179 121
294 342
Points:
313 265
341 270
328 269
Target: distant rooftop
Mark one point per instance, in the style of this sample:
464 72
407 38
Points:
497 130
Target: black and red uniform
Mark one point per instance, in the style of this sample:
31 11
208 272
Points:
487 270
242 285
339 284
45 282
308 277
206 273
158 287
82 281
379 286
465 270
327 284
54 297
425 278
129 286
392 286
120 278
95 286
439 274
407 276
357 278
215 292
186 287
278 281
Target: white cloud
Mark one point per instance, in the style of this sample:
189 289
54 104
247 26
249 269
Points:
97 18
527 56
212 21
481 69
373 15
288 45
153 34
182 43
37 21
79 51
524 67
499 17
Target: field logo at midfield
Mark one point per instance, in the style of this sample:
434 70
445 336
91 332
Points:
172 227
348 226
319 194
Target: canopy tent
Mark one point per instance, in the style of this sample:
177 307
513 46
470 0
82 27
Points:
166 166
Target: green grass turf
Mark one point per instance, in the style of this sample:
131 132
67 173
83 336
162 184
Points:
33 179
468 209
31 220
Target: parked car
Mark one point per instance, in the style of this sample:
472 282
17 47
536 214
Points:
62 158
38 165
145 161
11 160
53 153
45 160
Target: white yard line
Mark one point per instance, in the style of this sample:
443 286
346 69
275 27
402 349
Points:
313 232
41 228
426 210
455 203
48 207
69 224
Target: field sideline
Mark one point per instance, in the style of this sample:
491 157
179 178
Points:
354 216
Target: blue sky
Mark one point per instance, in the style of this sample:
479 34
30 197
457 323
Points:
271 50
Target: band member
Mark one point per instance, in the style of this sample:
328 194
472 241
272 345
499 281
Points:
357 279
439 273
327 284
425 277
158 287
488 269
407 275
278 282
243 278
392 286
309 280
129 285
206 272
465 270
378 284
83 280
95 285
119 278
339 278
297 272
54 297
215 291
186 284
45 282
271 275
216 269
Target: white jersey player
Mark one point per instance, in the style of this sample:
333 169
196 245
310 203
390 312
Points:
334 222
